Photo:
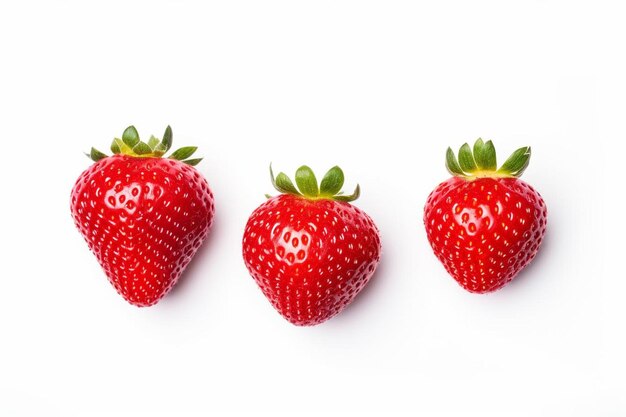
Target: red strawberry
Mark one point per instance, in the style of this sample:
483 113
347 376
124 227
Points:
310 251
484 224
143 216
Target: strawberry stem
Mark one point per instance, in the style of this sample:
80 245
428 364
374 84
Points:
307 185
480 161
131 145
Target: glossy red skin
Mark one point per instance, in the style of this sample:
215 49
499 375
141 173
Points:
144 219
310 257
486 230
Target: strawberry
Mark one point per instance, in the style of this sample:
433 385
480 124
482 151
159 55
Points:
310 251
485 224
142 215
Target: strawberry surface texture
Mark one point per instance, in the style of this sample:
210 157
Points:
310 251
143 216
485 224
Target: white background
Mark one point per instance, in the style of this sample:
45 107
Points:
381 88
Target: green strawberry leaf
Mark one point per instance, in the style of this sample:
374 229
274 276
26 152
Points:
351 197
142 148
466 159
166 142
183 153
282 183
306 181
517 162
332 182
130 136
96 155
115 147
452 165
153 142
479 152
489 161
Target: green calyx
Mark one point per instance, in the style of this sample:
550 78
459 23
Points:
131 145
307 185
480 162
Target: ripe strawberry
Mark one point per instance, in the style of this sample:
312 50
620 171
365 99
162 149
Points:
310 251
484 224
143 216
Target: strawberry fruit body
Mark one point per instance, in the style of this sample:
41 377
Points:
485 224
310 251
142 215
